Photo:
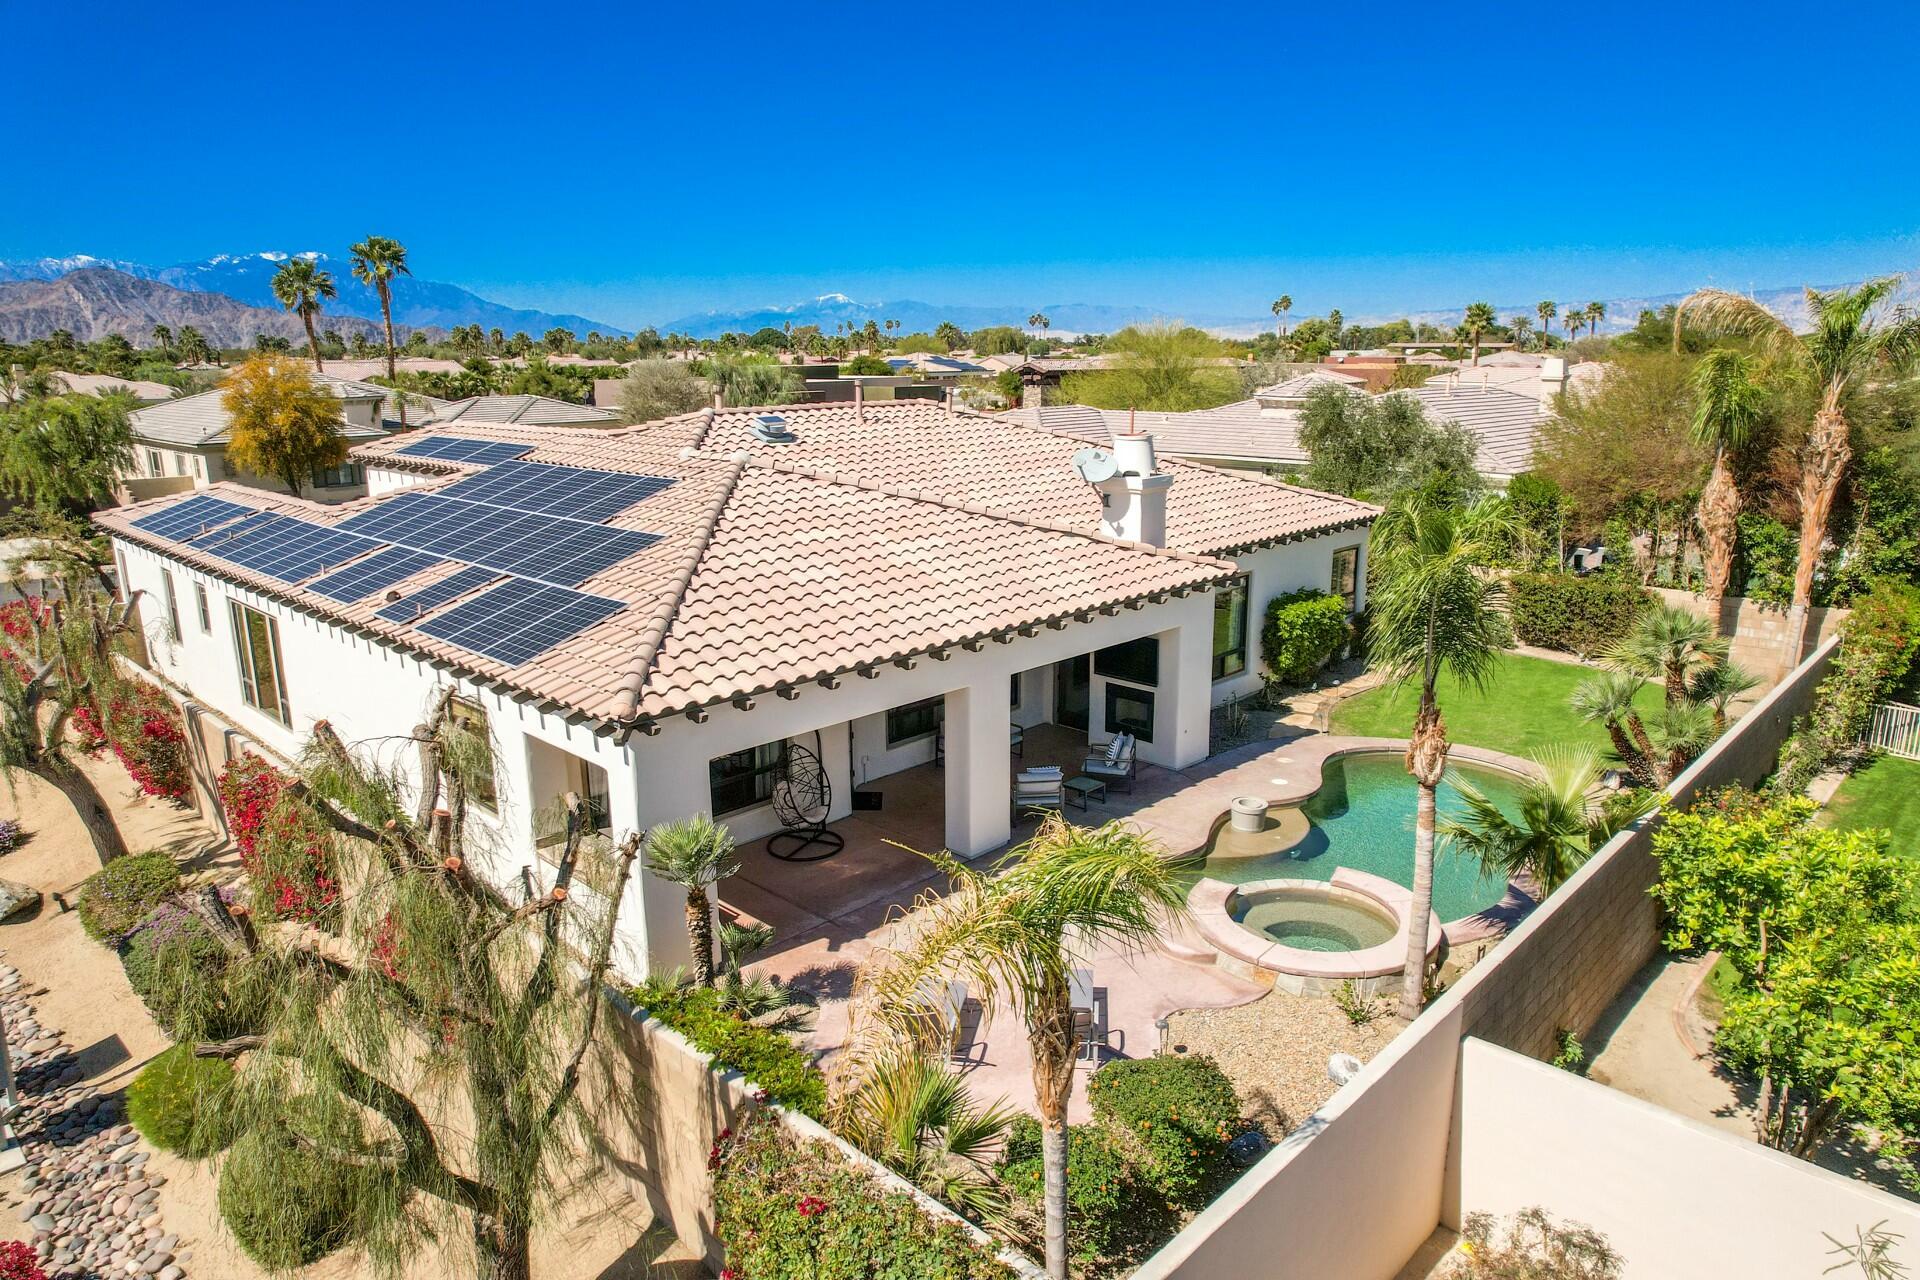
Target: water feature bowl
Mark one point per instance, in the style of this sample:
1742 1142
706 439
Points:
1249 813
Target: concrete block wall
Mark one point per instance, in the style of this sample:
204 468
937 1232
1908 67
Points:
1759 632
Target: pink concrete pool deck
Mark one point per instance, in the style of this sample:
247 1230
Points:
820 947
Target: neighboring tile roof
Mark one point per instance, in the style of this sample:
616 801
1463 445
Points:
534 410
198 420
1504 424
1302 385
93 384
768 570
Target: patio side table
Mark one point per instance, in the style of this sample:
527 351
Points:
1081 789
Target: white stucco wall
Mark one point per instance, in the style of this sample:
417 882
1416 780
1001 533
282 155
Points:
1274 571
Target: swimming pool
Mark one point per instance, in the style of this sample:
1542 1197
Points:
1362 817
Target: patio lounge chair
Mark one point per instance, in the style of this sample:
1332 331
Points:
1038 789
1114 762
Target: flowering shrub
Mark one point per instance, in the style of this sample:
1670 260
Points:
179 968
1171 1116
792 1210
285 849
9 835
115 898
17 618
17 1262
145 730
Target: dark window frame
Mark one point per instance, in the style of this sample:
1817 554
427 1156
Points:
1350 591
1231 661
203 608
1122 662
764 763
912 721
1140 729
255 691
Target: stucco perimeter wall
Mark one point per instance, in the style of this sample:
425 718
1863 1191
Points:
1673 1196
1381 1142
661 1107
1758 632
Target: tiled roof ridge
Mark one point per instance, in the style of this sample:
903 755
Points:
653 630
979 509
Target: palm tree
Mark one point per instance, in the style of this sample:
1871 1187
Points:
1680 731
696 854
1039 321
376 261
1431 612
1669 644
916 1115
1014 935
1606 698
1728 402
163 338
1565 818
1717 688
1596 312
1572 317
1282 305
1522 327
1850 342
194 349
1480 318
300 286
1336 322
1546 311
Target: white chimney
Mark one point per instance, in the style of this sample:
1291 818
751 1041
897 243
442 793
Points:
1133 504
1553 376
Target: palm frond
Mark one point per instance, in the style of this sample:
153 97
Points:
1719 313
1605 695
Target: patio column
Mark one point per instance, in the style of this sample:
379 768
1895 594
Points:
1183 724
979 779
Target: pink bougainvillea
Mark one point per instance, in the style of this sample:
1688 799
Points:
146 733
284 849
18 1262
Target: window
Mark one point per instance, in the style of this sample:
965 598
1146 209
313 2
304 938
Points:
121 587
1230 629
336 477
173 606
199 467
200 603
472 717
256 643
1130 711
745 778
1136 661
153 463
1346 576
914 720
1013 699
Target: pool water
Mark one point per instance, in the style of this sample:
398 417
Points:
1315 923
1362 817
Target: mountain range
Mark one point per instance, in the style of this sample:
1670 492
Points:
92 302
248 278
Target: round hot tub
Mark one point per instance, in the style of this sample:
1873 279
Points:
1314 918
1309 936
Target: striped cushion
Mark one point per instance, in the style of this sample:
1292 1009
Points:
1116 748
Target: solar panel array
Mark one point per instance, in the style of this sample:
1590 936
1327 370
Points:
519 620
409 608
283 547
552 549
188 519
376 573
457 449
578 492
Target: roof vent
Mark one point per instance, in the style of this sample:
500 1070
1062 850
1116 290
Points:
771 428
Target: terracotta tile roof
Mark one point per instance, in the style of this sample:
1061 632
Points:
765 572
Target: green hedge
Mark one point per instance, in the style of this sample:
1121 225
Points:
1302 630
1113 1216
175 1102
1579 615
1879 646
114 898
766 1057
785 1209
1173 1116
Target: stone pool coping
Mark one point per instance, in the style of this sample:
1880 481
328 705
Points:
1210 902
1185 820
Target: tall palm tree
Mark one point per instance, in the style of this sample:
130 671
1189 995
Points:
1038 320
1572 317
1728 402
696 854
1606 698
194 349
1014 935
1596 312
1336 321
1282 305
1565 818
376 261
1669 644
163 338
1546 311
915 1114
1479 319
1522 327
1850 342
1432 611
301 286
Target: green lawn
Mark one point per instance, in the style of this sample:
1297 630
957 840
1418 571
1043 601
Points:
1524 707
1884 794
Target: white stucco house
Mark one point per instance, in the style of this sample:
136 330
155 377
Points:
649 616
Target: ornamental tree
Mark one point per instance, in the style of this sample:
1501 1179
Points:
432 1055
284 424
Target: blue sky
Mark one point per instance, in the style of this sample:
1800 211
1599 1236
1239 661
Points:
638 162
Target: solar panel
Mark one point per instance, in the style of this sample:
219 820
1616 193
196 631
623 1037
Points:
579 492
519 619
376 573
410 607
191 518
283 547
550 548
458 449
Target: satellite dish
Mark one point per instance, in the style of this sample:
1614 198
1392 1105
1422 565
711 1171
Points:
1095 465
